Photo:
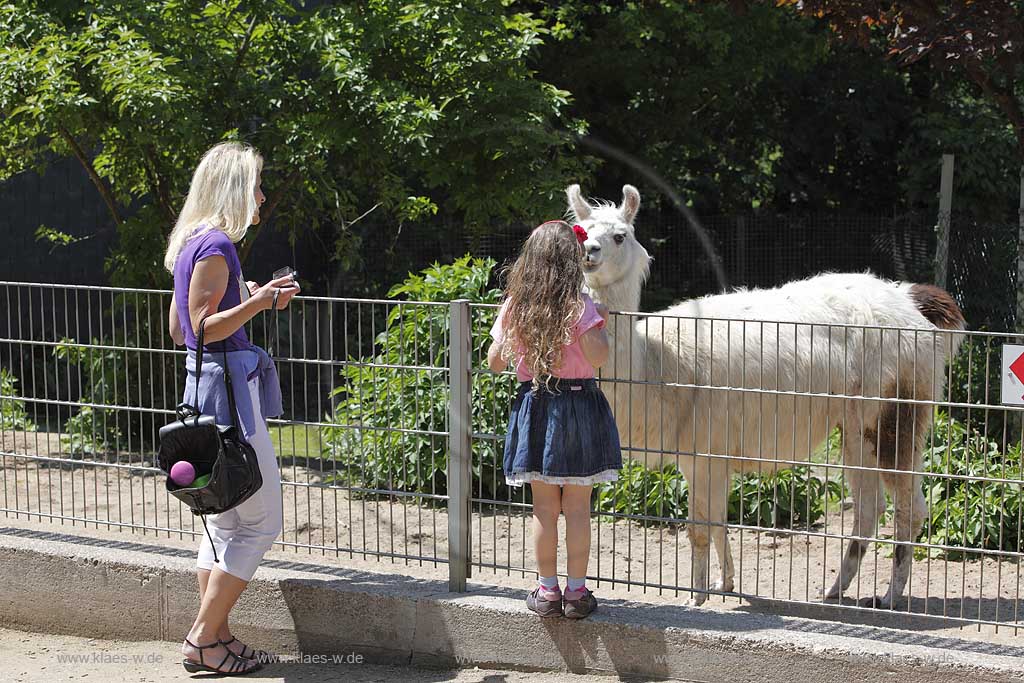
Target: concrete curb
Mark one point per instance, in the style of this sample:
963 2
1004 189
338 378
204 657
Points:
61 583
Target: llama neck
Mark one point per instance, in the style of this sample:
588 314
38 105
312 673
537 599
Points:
619 296
626 345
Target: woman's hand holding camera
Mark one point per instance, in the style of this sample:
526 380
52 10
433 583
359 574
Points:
286 287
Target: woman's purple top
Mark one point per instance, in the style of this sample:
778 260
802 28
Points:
213 242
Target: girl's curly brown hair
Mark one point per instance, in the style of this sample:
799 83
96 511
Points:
543 299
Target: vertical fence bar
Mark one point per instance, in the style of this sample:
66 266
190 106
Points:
943 227
460 431
1019 322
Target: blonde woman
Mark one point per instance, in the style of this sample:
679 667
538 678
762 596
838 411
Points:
223 201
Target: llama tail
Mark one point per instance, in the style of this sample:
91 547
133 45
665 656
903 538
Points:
941 310
938 306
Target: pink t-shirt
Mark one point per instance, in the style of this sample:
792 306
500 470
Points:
574 364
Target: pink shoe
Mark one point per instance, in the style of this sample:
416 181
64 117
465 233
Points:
579 604
544 602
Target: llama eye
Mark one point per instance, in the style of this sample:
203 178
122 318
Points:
619 239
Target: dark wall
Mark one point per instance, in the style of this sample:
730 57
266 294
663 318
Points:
63 199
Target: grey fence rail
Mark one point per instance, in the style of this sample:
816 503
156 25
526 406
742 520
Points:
391 448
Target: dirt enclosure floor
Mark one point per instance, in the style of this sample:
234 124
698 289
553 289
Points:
328 524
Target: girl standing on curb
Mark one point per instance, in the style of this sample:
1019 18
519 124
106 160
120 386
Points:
562 438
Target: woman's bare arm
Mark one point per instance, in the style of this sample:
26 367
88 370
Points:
210 281
174 325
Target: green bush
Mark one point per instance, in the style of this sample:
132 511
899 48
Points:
123 375
90 432
13 415
789 499
381 411
965 512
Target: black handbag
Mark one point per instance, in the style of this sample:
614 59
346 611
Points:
217 450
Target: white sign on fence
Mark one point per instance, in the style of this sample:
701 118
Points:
1013 374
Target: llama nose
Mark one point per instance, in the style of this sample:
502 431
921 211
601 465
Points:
592 248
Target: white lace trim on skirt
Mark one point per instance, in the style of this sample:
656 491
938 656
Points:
520 478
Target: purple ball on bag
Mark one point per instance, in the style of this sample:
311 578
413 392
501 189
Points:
183 473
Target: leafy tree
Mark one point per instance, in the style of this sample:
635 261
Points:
983 41
688 89
404 107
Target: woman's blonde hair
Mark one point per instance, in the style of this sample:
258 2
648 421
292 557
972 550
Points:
543 295
221 196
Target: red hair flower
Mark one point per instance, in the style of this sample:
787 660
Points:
581 234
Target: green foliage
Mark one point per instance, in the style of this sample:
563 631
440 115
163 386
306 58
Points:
789 499
13 415
965 512
91 432
409 106
374 402
114 373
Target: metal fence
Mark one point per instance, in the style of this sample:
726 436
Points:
392 441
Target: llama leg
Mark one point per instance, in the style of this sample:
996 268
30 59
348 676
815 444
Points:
868 506
904 440
910 513
865 486
708 506
719 533
701 556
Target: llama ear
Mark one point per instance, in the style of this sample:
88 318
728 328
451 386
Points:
630 203
577 205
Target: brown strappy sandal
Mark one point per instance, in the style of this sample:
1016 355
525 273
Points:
238 664
261 656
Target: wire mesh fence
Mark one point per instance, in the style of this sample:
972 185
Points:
391 448
90 375
872 461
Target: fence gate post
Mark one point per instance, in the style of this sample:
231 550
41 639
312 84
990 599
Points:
945 214
1020 257
460 448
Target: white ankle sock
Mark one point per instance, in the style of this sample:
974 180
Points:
549 582
575 584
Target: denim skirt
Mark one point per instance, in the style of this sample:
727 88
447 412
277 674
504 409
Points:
562 434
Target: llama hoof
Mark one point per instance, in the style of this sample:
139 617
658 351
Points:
834 595
697 600
723 586
876 602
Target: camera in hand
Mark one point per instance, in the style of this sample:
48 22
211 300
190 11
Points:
285 272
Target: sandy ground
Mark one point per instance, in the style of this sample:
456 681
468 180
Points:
30 657
773 570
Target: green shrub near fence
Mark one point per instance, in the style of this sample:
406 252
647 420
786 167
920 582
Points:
13 415
970 513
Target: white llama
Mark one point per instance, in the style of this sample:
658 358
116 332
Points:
809 356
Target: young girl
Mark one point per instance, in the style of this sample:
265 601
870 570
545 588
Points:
562 438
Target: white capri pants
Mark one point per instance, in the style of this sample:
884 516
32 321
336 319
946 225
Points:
244 533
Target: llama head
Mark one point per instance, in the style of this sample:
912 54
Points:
612 254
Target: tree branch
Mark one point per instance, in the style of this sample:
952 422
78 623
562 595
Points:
1003 98
101 187
156 185
246 43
